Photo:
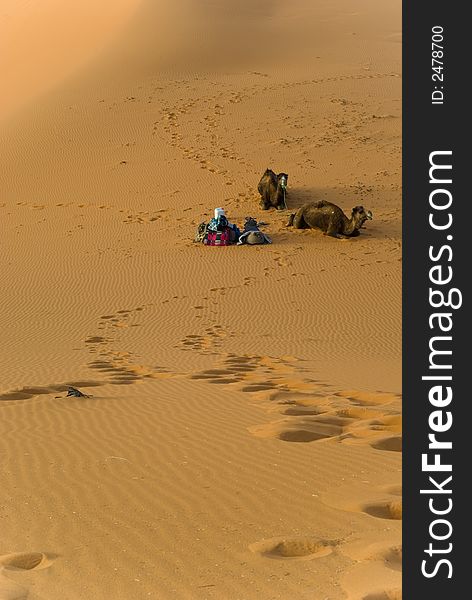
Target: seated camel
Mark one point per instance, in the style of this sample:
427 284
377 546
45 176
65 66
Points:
329 218
273 189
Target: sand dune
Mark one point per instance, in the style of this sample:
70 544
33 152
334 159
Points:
242 438
43 42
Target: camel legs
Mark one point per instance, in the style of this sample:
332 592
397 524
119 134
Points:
333 233
264 204
298 220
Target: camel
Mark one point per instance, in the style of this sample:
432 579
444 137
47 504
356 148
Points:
273 189
329 218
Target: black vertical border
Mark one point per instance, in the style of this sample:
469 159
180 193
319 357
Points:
428 128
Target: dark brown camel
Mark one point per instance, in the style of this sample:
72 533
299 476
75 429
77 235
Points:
273 189
329 218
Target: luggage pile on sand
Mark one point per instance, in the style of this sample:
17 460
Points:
220 232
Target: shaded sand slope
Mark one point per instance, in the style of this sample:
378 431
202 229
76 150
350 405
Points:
43 41
244 435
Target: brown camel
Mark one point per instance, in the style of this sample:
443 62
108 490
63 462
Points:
273 189
329 218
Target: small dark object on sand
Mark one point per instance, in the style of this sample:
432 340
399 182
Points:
72 391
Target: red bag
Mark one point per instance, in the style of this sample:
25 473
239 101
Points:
218 238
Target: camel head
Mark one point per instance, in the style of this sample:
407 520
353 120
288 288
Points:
360 216
282 179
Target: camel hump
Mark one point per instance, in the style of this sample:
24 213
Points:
320 204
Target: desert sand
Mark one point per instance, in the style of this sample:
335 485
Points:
242 438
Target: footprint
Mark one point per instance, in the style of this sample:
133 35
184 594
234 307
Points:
393 558
312 400
317 428
368 398
390 444
214 372
293 548
358 413
96 339
25 561
301 411
258 387
15 396
239 359
392 422
302 436
242 364
385 510
239 369
101 365
20 561
78 384
302 430
25 393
